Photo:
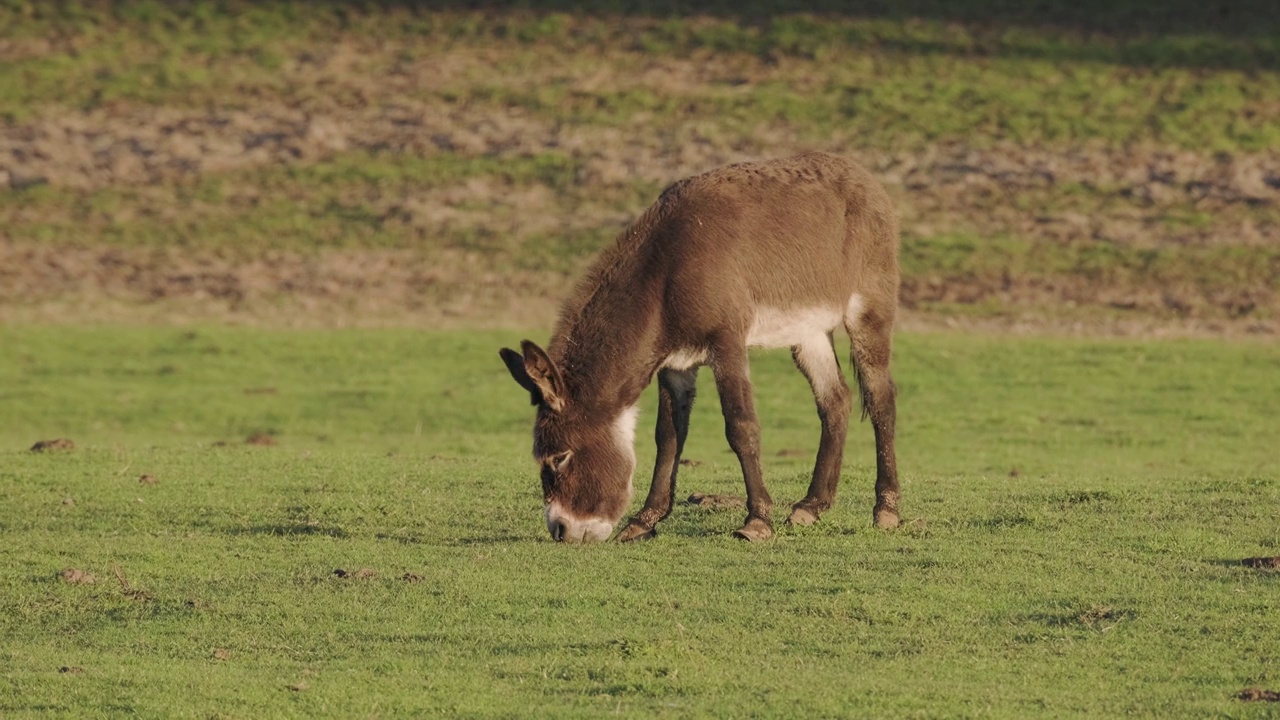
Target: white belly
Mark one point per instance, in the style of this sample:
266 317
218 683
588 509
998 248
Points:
777 328
774 328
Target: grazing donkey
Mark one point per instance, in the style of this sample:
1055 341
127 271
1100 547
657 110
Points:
771 254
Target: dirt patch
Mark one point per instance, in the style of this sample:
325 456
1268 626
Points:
264 439
71 670
52 445
221 654
411 578
361 574
76 576
690 463
1258 695
717 502
1262 563
792 453
147 480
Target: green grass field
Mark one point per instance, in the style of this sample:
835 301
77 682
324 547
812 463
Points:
1075 510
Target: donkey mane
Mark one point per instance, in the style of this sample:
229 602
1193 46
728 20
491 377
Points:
578 316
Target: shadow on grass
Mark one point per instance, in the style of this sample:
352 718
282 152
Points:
465 541
1240 34
286 530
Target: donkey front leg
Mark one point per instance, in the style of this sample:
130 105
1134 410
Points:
742 429
676 390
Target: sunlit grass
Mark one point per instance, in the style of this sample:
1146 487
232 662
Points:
1075 516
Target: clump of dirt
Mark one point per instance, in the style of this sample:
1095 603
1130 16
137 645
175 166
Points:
221 654
1258 695
148 479
690 463
792 452
1100 613
70 670
717 502
69 501
76 576
411 577
361 574
1262 563
52 445
264 439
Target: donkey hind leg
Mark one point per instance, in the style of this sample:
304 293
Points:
816 358
871 333
676 390
742 430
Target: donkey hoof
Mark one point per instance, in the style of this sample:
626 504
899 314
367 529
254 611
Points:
886 519
802 516
754 531
634 532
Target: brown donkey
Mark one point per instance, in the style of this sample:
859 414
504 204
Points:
771 254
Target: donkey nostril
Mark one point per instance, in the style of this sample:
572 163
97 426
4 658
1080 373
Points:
557 532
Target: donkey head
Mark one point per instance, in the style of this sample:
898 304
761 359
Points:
586 455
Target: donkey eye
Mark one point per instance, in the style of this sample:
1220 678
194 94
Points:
558 461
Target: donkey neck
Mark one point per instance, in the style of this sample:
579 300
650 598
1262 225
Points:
605 353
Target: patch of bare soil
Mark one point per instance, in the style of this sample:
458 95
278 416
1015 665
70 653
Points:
411 577
1262 563
364 288
361 574
71 670
148 479
716 502
264 439
1258 695
51 445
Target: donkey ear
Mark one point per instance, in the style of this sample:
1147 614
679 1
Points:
515 365
545 375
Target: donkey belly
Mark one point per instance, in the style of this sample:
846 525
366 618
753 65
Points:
773 327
